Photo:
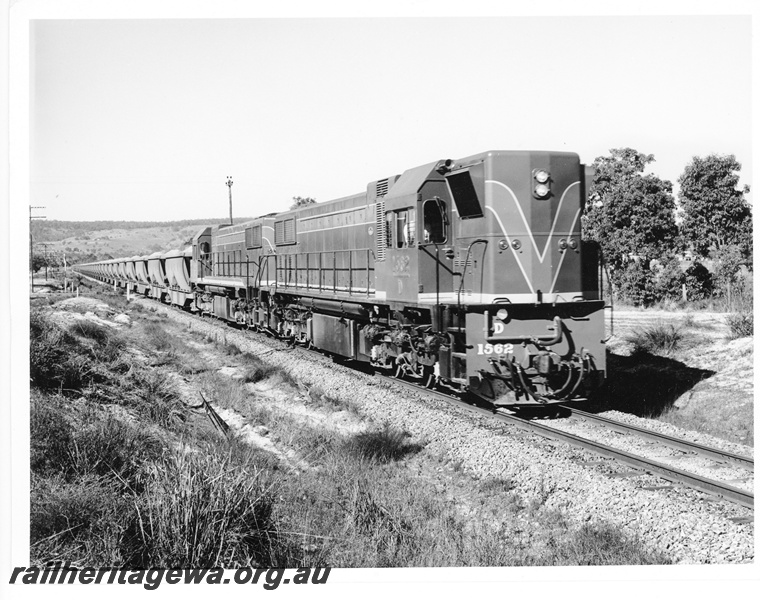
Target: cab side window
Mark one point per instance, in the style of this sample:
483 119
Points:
406 226
401 228
434 221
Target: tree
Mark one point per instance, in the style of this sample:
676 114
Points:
716 214
299 202
38 262
632 217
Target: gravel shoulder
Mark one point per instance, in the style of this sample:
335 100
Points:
685 525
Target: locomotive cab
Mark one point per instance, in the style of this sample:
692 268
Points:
534 322
489 283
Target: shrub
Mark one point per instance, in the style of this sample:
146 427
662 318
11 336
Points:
668 280
699 282
635 283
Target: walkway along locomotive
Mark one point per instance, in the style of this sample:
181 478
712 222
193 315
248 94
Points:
467 274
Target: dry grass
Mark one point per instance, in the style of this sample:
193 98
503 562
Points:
203 510
657 338
383 445
105 492
740 324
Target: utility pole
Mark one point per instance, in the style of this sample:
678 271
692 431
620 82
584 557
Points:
229 185
46 261
31 250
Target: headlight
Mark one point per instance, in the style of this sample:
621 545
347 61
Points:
502 314
542 190
541 176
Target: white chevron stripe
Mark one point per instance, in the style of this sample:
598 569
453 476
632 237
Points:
540 255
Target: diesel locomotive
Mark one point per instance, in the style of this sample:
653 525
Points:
469 275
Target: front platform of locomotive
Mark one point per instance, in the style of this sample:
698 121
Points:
529 283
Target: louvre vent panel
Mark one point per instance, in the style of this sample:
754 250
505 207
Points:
285 231
382 187
253 237
380 230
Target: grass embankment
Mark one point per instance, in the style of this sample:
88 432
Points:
125 473
689 373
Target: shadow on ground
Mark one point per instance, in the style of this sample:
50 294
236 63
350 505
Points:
644 384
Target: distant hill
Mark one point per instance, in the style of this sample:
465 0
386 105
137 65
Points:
89 241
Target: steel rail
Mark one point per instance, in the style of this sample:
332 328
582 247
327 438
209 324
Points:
673 474
681 444
669 473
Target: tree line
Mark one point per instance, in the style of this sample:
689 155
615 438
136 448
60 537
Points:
653 247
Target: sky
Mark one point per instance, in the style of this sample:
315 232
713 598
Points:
145 119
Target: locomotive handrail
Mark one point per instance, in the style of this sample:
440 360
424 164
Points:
464 271
290 275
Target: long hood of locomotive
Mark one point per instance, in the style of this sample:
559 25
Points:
533 250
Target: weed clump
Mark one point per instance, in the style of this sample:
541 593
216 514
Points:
89 330
659 337
203 511
57 359
604 544
740 324
258 372
81 520
385 445
51 436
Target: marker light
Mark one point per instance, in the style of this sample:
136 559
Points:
573 243
563 244
541 190
541 176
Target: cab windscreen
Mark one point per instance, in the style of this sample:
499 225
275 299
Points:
465 195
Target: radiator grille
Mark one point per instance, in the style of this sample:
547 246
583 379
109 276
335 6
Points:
382 187
380 230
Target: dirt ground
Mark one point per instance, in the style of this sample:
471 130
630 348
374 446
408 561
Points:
705 383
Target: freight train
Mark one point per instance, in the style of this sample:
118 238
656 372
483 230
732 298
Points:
469 275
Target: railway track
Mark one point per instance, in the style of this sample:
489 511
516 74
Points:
667 440
670 473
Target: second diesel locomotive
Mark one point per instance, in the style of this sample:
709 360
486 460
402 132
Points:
466 274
